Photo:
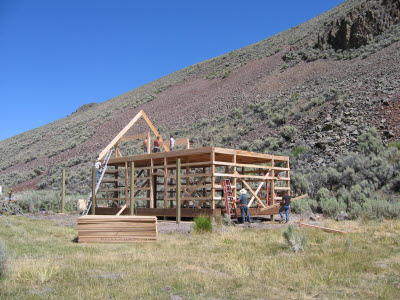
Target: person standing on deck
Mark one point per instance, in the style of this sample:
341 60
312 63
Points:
244 210
145 144
171 143
98 168
157 145
285 206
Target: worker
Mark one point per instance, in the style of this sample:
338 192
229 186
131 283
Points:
171 143
244 210
98 167
157 145
10 194
285 206
145 144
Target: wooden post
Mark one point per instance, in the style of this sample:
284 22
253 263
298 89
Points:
132 190
63 192
148 143
165 186
151 184
212 179
272 185
178 191
93 190
234 178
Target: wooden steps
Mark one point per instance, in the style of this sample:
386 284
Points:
117 229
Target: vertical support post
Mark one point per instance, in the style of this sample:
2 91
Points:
126 182
132 190
148 143
187 144
212 179
188 182
165 186
234 178
178 191
272 185
63 192
151 184
93 190
116 149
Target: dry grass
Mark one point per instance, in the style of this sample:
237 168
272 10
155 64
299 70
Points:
236 263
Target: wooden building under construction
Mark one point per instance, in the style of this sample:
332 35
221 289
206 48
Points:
149 183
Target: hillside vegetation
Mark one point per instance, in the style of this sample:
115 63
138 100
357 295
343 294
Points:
319 92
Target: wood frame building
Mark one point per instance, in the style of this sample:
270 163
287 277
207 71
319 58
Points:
147 183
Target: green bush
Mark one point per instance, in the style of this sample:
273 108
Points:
3 258
395 144
298 150
202 224
288 132
304 205
295 240
370 142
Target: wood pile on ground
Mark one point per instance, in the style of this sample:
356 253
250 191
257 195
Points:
116 229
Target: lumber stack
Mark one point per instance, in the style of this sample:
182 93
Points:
116 229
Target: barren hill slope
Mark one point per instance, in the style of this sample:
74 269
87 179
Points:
320 77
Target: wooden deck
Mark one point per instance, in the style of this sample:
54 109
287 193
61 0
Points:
265 177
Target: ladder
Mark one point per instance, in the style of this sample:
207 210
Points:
230 204
89 200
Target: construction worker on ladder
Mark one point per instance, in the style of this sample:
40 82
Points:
98 168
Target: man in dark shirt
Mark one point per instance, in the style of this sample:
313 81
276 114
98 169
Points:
243 206
285 206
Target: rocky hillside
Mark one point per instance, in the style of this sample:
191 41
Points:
309 92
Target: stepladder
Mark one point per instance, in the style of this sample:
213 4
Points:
230 202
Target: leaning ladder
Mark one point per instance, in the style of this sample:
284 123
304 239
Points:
89 200
230 204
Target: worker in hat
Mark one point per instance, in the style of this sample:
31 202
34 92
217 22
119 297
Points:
244 206
98 168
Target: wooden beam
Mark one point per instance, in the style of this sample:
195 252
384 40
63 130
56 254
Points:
93 190
190 191
119 135
132 190
146 118
121 210
178 190
251 191
133 137
257 190
323 228
177 142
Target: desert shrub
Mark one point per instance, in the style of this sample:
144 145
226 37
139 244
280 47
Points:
245 145
370 142
3 258
332 176
202 224
33 201
380 208
288 132
294 238
298 150
304 205
395 144
271 143
299 183
329 205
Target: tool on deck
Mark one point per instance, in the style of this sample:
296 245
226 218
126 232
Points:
230 204
89 201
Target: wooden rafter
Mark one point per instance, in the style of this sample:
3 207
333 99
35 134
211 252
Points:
125 130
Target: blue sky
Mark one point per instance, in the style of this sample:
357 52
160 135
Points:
56 55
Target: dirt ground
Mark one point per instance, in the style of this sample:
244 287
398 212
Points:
185 227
